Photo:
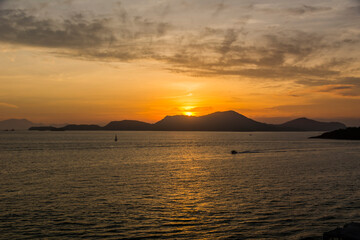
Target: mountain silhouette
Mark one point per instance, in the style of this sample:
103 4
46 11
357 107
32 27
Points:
305 124
218 121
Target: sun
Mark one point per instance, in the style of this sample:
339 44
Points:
189 114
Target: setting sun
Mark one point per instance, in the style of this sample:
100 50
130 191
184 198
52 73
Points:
189 114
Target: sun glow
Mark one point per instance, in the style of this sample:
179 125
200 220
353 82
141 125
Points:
189 114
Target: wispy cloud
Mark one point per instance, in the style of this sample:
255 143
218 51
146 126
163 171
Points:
7 105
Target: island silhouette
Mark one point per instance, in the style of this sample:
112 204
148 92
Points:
229 121
351 133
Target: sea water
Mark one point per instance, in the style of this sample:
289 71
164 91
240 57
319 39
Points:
175 185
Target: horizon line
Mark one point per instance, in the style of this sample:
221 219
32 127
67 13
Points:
258 119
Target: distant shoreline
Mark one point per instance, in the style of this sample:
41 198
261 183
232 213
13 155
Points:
104 130
229 121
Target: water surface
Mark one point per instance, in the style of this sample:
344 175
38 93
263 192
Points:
175 185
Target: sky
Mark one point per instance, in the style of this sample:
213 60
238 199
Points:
92 61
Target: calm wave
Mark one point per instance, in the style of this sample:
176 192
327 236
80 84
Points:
175 185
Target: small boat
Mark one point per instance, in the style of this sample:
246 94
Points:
115 138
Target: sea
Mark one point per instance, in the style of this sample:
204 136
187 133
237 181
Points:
176 185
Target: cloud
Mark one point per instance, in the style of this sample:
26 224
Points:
343 86
229 38
313 82
322 107
343 90
295 11
83 36
217 49
306 9
16 26
351 80
330 88
355 10
219 8
7 105
281 55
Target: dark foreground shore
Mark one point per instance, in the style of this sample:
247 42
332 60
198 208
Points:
350 231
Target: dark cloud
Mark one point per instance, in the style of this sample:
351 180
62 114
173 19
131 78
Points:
313 82
355 10
2 3
305 9
145 27
296 11
298 44
19 28
344 82
351 80
341 90
335 88
82 36
229 38
219 8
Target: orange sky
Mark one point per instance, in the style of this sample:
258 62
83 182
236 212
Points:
76 63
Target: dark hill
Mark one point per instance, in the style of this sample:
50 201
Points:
81 127
128 125
351 133
305 124
218 121
45 128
